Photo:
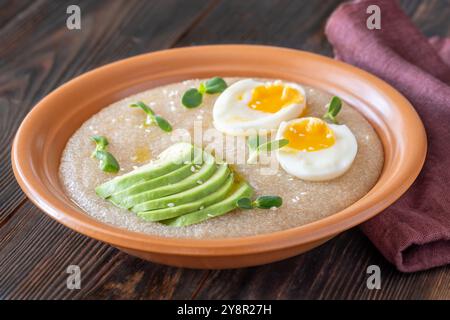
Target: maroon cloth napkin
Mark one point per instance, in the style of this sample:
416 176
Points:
413 233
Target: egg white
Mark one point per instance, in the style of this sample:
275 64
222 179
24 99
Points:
232 116
320 165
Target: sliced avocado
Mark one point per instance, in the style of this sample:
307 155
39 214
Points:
169 178
207 169
176 211
189 195
174 191
241 190
171 159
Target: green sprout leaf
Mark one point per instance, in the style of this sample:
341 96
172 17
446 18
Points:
150 113
152 117
215 85
163 123
267 202
144 107
107 161
262 202
334 107
244 203
192 98
266 146
100 141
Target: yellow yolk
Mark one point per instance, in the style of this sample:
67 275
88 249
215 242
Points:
309 134
274 97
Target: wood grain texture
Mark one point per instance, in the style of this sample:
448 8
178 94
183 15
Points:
38 53
295 24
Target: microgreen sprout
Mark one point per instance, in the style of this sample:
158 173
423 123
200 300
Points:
334 107
152 117
107 161
262 202
193 97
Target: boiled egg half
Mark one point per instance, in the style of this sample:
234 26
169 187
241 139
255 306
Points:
317 150
249 105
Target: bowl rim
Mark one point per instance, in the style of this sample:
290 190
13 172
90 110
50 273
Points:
120 237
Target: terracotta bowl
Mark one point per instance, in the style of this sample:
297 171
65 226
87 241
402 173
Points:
44 132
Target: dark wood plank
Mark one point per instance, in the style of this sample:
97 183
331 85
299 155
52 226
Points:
38 53
295 24
10 8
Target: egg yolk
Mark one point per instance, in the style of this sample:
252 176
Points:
272 98
309 134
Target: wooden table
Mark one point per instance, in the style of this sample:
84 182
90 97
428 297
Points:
38 53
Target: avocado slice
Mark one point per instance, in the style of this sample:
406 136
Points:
169 178
171 159
239 191
176 211
208 168
189 195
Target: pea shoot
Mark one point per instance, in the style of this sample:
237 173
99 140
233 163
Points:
334 107
262 202
107 161
257 144
193 97
152 117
